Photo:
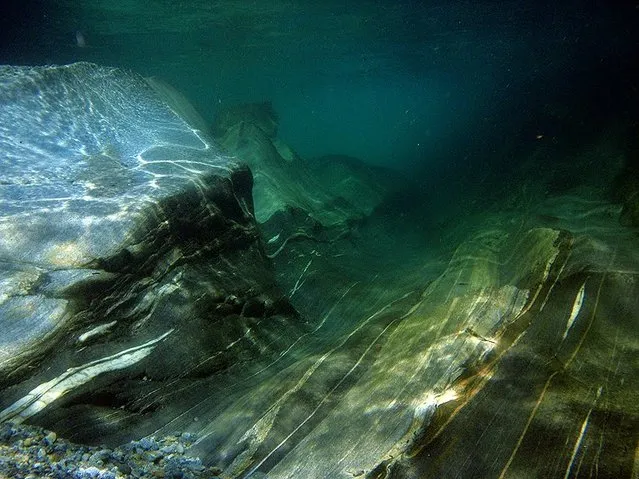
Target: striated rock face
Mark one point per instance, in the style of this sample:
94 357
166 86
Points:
138 299
129 257
493 360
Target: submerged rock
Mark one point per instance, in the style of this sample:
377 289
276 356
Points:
138 303
332 191
122 231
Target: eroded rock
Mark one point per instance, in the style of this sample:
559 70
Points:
123 230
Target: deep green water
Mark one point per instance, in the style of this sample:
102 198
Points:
405 84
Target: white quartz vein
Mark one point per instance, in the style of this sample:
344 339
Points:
582 433
101 329
341 381
298 285
43 395
281 355
576 308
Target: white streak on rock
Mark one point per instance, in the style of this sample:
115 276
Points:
576 307
273 239
101 329
582 433
43 395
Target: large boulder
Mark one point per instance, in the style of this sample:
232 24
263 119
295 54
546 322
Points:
332 191
129 256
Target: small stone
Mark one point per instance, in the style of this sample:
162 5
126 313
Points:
41 454
99 457
117 455
27 442
50 438
154 456
170 449
60 449
124 468
147 443
92 472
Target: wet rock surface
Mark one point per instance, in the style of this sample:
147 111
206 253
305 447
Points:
114 296
302 329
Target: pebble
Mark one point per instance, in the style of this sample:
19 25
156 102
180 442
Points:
89 472
41 454
146 444
31 452
98 457
50 438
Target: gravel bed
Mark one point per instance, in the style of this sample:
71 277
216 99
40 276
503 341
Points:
31 452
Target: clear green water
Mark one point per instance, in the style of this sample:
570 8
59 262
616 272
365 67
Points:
403 84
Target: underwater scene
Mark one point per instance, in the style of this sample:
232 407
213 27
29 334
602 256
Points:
319 239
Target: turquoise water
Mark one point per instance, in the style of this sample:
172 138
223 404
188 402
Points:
402 84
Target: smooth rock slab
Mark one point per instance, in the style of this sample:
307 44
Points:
129 254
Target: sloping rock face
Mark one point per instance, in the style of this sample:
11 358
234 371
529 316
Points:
554 399
516 360
139 299
129 258
510 355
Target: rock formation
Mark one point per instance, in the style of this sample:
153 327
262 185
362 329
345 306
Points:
306 325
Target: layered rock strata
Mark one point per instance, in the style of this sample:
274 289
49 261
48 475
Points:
130 261
340 335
